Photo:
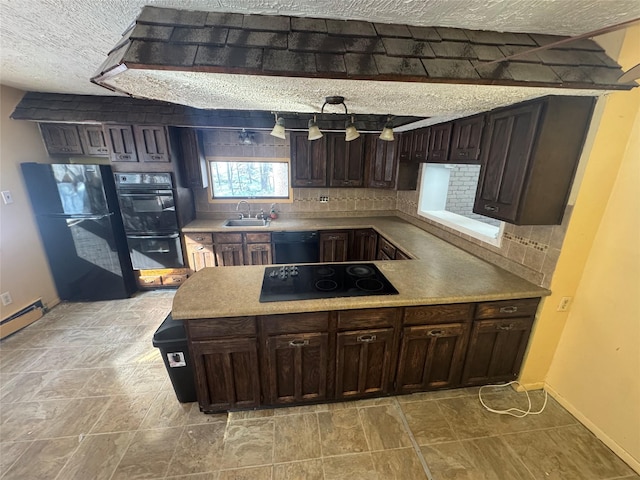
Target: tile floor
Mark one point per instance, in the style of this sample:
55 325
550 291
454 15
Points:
84 395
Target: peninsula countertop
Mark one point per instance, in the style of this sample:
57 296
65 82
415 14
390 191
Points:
439 273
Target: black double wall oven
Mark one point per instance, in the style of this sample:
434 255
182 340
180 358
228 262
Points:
147 203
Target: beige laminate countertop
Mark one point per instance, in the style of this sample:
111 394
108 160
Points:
439 273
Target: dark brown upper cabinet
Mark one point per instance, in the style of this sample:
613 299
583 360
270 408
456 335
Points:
151 143
121 143
93 140
405 146
381 164
61 139
439 140
308 161
420 145
530 153
466 139
194 165
346 161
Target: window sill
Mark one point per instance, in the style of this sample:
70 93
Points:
474 228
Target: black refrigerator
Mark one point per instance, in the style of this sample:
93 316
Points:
79 219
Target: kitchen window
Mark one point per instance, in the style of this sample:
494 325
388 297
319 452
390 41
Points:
447 194
234 178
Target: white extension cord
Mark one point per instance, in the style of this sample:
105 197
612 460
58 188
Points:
514 412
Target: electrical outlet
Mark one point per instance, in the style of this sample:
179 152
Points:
563 306
7 198
6 298
324 199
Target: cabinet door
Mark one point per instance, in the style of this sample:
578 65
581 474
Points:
465 140
334 246
200 256
61 139
194 166
420 145
431 356
229 254
363 363
309 161
439 143
259 254
386 249
151 143
496 349
226 373
381 163
93 141
346 160
365 242
297 367
405 146
506 151
121 144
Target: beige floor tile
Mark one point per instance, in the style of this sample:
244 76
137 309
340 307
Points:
296 438
26 421
10 452
402 464
196 417
248 443
97 457
124 413
55 359
383 427
438 395
77 418
566 453
281 412
62 384
166 411
358 466
306 469
147 378
341 432
96 356
199 449
247 414
24 387
485 458
43 459
252 473
106 381
468 418
197 476
19 360
427 423
148 455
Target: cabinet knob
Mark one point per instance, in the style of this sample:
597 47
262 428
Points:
511 309
436 333
508 326
199 247
366 338
298 343
491 208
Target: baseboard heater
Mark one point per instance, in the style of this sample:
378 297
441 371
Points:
21 319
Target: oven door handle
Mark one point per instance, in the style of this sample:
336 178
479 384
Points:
171 235
147 193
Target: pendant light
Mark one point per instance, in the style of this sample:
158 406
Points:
350 132
278 128
387 131
314 130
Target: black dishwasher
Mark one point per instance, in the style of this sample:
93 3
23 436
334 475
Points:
295 247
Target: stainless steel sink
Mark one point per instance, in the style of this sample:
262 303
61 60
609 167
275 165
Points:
246 222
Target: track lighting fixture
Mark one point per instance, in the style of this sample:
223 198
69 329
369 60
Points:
387 131
245 138
314 131
278 128
350 132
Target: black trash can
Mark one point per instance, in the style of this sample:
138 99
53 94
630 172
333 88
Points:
171 339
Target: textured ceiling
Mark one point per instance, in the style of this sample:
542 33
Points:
56 45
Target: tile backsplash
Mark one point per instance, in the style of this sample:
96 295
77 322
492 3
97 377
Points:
530 252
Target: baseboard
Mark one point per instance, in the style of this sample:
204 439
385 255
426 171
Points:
633 462
21 319
529 386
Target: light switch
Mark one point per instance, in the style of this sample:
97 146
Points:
7 198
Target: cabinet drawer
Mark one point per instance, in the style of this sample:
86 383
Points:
508 308
227 238
434 314
173 279
221 327
387 247
198 238
258 237
149 280
368 318
295 323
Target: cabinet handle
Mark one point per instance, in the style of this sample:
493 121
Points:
491 208
298 343
505 327
155 157
199 239
333 237
199 247
463 154
366 338
511 309
436 333
309 182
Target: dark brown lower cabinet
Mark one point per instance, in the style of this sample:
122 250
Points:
297 367
364 245
227 374
431 356
334 246
496 349
229 254
258 254
363 363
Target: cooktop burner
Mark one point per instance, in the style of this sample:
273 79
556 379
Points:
302 282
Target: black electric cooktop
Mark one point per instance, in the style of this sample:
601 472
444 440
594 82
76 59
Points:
325 280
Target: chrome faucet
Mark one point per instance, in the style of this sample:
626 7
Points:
248 209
